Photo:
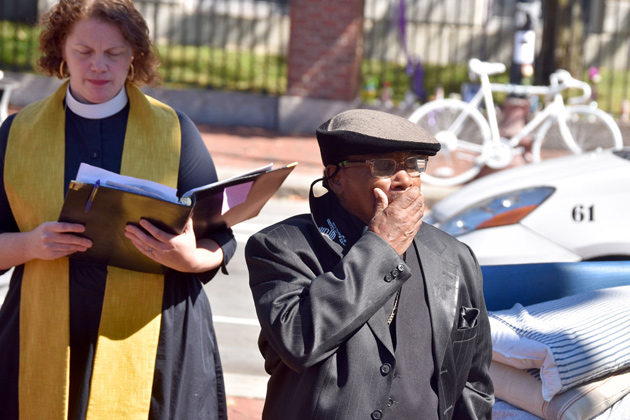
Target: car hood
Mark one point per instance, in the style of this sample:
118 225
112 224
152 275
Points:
547 173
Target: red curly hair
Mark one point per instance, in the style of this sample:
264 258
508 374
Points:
57 24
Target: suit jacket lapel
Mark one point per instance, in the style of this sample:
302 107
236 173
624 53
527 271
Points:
380 328
442 284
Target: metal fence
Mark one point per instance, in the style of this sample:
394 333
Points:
412 47
221 44
422 46
213 44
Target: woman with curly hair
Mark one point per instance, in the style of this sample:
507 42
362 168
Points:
80 339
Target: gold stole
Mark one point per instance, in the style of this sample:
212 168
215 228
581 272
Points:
124 362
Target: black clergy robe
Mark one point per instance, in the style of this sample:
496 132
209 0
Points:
188 381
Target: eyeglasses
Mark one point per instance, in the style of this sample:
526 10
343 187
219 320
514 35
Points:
386 167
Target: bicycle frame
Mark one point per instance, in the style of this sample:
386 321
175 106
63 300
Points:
555 108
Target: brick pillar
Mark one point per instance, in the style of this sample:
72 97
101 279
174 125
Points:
325 49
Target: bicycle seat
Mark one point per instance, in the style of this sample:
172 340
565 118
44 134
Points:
482 67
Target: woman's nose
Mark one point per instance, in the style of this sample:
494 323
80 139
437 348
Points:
98 63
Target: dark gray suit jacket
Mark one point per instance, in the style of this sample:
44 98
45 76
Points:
325 337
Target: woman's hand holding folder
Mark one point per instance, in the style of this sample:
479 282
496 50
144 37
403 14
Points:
180 252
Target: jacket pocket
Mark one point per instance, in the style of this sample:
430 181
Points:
466 324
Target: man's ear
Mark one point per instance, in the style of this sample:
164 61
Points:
333 175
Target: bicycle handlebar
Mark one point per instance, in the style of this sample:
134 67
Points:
562 79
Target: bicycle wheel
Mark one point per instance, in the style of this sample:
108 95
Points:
461 130
587 129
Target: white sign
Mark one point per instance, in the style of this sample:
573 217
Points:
524 47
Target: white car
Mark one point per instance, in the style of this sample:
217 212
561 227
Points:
575 208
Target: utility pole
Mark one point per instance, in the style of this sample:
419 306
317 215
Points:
570 39
563 33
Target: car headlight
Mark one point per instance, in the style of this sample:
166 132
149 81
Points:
502 210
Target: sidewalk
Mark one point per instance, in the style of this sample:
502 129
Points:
244 408
238 149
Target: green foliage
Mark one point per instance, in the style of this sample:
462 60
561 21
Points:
448 78
18 45
223 69
181 66
611 90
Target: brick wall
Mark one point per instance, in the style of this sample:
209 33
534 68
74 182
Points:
325 49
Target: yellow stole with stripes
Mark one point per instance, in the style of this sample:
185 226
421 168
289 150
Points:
124 361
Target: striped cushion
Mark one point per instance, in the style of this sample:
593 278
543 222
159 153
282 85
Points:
582 402
585 336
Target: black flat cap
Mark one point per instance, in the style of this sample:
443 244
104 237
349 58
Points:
364 131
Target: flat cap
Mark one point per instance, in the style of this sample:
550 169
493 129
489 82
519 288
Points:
364 131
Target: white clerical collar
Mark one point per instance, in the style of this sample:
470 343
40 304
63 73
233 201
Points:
97 111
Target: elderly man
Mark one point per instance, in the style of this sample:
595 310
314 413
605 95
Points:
367 313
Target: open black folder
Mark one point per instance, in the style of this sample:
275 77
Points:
105 206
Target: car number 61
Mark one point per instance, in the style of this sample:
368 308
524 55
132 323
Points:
582 213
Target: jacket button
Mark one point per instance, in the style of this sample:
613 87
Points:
377 415
385 369
388 278
390 402
395 273
401 268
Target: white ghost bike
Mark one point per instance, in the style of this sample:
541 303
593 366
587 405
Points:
471 139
